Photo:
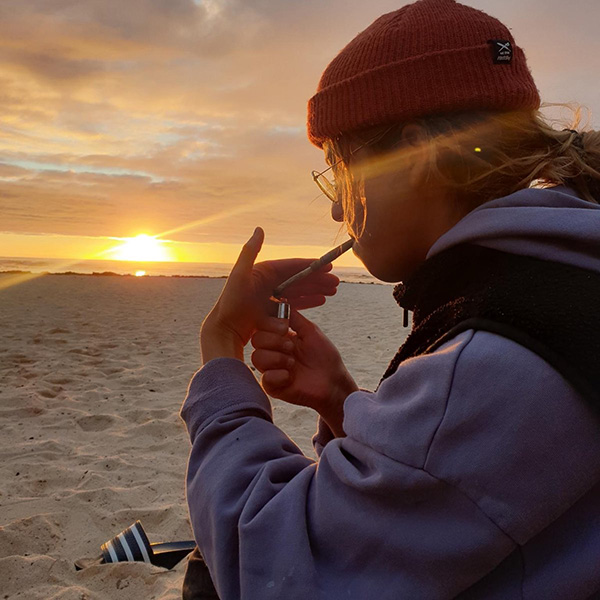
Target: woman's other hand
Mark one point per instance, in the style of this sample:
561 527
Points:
245 299
301 365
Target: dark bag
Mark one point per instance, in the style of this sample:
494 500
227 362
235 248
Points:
197 583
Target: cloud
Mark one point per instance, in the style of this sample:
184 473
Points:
118 117
254 166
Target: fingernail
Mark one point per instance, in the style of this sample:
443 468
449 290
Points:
288 346
253 235
290 363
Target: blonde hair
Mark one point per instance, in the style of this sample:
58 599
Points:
477 156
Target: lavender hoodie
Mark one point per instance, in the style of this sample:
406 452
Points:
472 473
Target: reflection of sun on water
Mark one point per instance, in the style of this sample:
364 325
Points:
142 247
140 273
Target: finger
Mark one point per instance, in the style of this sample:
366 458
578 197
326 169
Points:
314 280
325 268
249 252
273 325
326 285
300 324
323 273
322 269
283 269
309 292
305 302
273 381
265 340
266 360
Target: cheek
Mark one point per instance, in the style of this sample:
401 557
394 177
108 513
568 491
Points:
378 214
354 219
391 246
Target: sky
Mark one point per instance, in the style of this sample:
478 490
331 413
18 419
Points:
187 118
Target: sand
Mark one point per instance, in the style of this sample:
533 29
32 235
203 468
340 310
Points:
93 371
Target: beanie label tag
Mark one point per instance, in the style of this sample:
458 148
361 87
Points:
502 51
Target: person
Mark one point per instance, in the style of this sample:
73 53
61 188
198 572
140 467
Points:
473 471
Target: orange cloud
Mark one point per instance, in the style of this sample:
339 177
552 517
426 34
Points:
152 114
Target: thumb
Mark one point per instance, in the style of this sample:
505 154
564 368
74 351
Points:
249 251
300 324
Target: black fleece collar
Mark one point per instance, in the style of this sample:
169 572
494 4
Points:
549 307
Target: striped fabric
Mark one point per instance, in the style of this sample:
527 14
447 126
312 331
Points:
131 545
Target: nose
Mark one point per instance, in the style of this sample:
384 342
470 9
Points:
337 212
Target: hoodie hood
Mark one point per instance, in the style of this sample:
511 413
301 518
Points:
525 267
550 224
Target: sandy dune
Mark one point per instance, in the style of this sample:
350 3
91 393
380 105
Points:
93 371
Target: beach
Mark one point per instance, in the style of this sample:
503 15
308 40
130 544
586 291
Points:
93 371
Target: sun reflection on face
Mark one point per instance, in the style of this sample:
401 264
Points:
142 247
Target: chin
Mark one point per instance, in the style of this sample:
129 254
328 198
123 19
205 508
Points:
387 273
388 269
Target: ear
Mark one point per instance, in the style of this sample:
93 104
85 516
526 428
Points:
414 137
413 134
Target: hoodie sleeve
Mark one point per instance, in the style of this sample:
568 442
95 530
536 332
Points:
359 523
322 436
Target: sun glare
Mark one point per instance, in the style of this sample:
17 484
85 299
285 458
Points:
140 273
142 247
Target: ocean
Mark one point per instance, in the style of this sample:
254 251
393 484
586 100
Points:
162 269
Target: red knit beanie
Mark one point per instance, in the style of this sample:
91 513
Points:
430 57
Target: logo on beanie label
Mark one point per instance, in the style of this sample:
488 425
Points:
502 51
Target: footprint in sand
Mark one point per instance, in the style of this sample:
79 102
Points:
95 422
32 410
58 380
38 534
20 359
58 330
29 375
84 351
112 371
50 393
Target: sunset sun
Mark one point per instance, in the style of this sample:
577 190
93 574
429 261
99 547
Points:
142 247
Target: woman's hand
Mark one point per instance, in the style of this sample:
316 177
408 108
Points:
302 366
245 299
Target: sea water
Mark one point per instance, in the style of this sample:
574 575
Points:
164 269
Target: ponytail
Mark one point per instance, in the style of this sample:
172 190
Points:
582 169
